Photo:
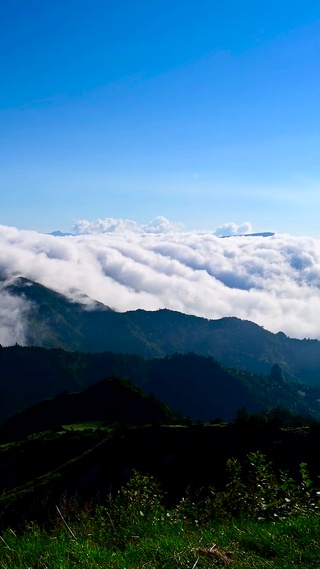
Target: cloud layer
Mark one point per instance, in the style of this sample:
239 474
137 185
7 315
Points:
111 225
273 281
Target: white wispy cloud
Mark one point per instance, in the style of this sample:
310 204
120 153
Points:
13 310
273 281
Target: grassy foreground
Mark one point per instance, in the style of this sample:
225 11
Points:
166 543
258 521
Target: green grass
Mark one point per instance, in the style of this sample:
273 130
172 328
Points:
165 544
85 426
259 520
134 529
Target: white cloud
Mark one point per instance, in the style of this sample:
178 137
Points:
274 281
113 225
231 228
13 310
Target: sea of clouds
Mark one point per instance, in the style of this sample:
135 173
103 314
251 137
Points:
273 281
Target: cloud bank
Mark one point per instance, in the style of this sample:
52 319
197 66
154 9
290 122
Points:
158 225
273 281
111 225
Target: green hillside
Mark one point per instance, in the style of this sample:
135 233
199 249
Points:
55 321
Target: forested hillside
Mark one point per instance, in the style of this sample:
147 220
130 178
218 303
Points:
196 386
54 321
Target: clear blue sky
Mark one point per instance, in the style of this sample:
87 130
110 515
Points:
202 111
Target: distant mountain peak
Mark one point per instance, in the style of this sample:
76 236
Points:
262 234
61 234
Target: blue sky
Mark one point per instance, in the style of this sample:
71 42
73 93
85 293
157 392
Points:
201 111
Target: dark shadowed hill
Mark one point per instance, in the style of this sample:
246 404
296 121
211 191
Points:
194 385
109 401
55 321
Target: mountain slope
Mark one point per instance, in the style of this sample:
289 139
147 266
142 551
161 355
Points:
37 472
194 385
55 321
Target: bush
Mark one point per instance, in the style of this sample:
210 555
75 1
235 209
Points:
255 489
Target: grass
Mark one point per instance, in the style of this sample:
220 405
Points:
166 544
134 529
259 520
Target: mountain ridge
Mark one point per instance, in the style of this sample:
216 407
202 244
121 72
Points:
55 321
